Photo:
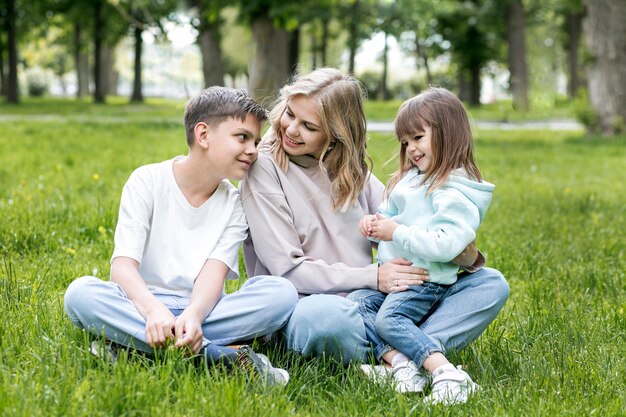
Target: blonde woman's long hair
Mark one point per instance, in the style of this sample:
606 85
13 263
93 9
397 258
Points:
339 99
451 142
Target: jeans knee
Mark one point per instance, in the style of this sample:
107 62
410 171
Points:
499 287
284 297
77 295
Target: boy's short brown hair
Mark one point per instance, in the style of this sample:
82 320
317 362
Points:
213 105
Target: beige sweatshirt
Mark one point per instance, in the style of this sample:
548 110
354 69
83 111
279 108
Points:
295 232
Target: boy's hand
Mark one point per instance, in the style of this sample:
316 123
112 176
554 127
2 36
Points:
382 228
365 225
188 331
159 326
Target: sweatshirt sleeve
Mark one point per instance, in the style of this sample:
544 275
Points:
451 228
277 243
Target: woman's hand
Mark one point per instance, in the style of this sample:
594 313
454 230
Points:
398 275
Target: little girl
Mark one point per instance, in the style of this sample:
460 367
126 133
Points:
433 207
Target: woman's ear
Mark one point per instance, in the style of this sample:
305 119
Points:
201 135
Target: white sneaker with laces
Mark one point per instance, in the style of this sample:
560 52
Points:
408 377
405 376
279 376
451 386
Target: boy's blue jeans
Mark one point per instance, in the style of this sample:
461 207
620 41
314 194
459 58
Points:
391 319
260 307
331 326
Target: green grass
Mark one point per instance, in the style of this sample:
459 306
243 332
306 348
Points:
555 229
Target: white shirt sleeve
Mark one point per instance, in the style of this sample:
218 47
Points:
135 216
227 248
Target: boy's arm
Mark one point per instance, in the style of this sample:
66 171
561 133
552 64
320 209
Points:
159 319
207 290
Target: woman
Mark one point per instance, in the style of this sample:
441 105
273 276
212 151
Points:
304 198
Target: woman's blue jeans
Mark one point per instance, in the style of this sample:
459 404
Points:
332 326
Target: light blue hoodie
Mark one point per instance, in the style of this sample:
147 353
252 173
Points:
435 228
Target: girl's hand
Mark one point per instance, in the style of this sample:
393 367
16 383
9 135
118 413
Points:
398 275
188 331
382 228
159 325
365 226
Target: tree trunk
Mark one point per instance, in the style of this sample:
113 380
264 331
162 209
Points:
384 92
474 98
81 62
314 49
515 26
422 55
270 67
573 22
465 93
13 93
212 64
99 79
606 40
353 35
3 81
111 76
137 95
293 51
324 42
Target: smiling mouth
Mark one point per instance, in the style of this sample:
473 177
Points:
291 141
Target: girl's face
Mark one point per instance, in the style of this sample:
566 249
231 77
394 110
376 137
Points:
301 128
418 149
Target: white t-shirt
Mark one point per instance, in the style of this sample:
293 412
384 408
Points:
170 238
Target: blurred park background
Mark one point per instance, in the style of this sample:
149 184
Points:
534 58
93 89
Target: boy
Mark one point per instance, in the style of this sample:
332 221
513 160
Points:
177 240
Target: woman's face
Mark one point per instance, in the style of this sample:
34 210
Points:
301 128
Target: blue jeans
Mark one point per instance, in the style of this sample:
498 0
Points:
332 326
391 319
260 307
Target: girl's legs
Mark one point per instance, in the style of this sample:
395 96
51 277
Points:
395 322
369 302
467 308
329 326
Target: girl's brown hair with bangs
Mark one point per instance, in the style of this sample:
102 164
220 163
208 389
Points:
339 98
451 141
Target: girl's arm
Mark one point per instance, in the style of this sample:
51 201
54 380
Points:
449 231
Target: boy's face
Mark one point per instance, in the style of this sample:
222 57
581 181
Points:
231 146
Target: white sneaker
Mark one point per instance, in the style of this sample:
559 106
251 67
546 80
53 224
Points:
451 386
105 350
408 377
259 364
405 377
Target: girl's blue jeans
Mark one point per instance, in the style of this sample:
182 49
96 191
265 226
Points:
332 326
260 307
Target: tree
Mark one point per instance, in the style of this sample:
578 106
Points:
141 16
516 53
209 25
274 23
605 33
359 17
9 14
471 27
